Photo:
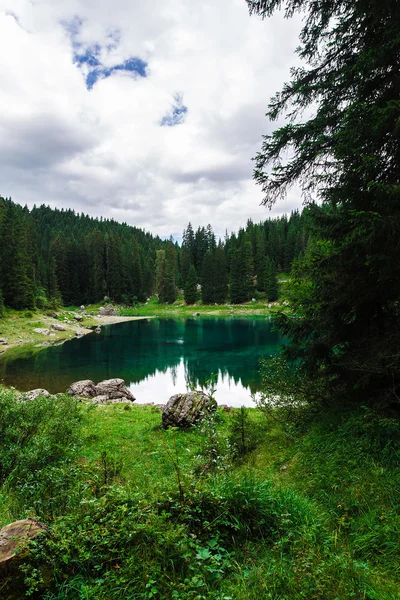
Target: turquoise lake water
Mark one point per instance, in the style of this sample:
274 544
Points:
156 357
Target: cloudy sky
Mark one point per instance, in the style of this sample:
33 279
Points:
145 112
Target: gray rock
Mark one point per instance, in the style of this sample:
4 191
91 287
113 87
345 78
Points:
3 342
100 399
14 541
106 400
85 388
107 311
42 331
114 389
185 410
58 327
108 391
78 317
98 329
79 333
33 394
82 307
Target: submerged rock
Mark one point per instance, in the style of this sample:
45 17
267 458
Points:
185 410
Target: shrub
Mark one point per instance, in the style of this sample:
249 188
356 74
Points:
37 440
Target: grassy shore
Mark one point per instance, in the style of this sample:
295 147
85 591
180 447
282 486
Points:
17 327
138 512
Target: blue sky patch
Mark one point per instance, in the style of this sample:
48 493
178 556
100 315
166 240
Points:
177 113
88 58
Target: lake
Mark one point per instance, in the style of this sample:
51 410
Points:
156 357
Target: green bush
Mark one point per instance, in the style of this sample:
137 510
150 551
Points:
37 442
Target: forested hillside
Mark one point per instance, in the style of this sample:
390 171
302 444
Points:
50 256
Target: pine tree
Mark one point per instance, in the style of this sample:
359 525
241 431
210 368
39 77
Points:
260 256
347 154
15 267
170 273
270 280
241 274
190 290
136 272
166 274
114 267
214 281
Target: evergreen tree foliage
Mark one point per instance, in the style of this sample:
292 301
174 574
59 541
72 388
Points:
15 265
166 274
242 273
348 155
62 257
190 290
271 281
136 273
214 281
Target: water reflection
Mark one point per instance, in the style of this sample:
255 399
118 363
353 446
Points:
156 357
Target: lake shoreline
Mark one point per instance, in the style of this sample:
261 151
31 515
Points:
18 329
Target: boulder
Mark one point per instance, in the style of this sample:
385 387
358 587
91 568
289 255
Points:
98 329
14 540
58 327
100 399
185 410
107 311
108 391
3 342
84 388
115 390
79 333
42 331
33 394
78 317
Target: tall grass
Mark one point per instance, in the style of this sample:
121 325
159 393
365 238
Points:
314 516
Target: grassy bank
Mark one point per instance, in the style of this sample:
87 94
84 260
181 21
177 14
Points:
180 309
138 512
18 327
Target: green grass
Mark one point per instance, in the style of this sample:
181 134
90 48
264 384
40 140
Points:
179 308
147 513
17 327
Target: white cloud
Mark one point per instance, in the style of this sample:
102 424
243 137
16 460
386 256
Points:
103 151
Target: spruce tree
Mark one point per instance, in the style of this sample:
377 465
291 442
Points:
15 266
136 272
214 281
241 287
190 289
347 154
270 280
